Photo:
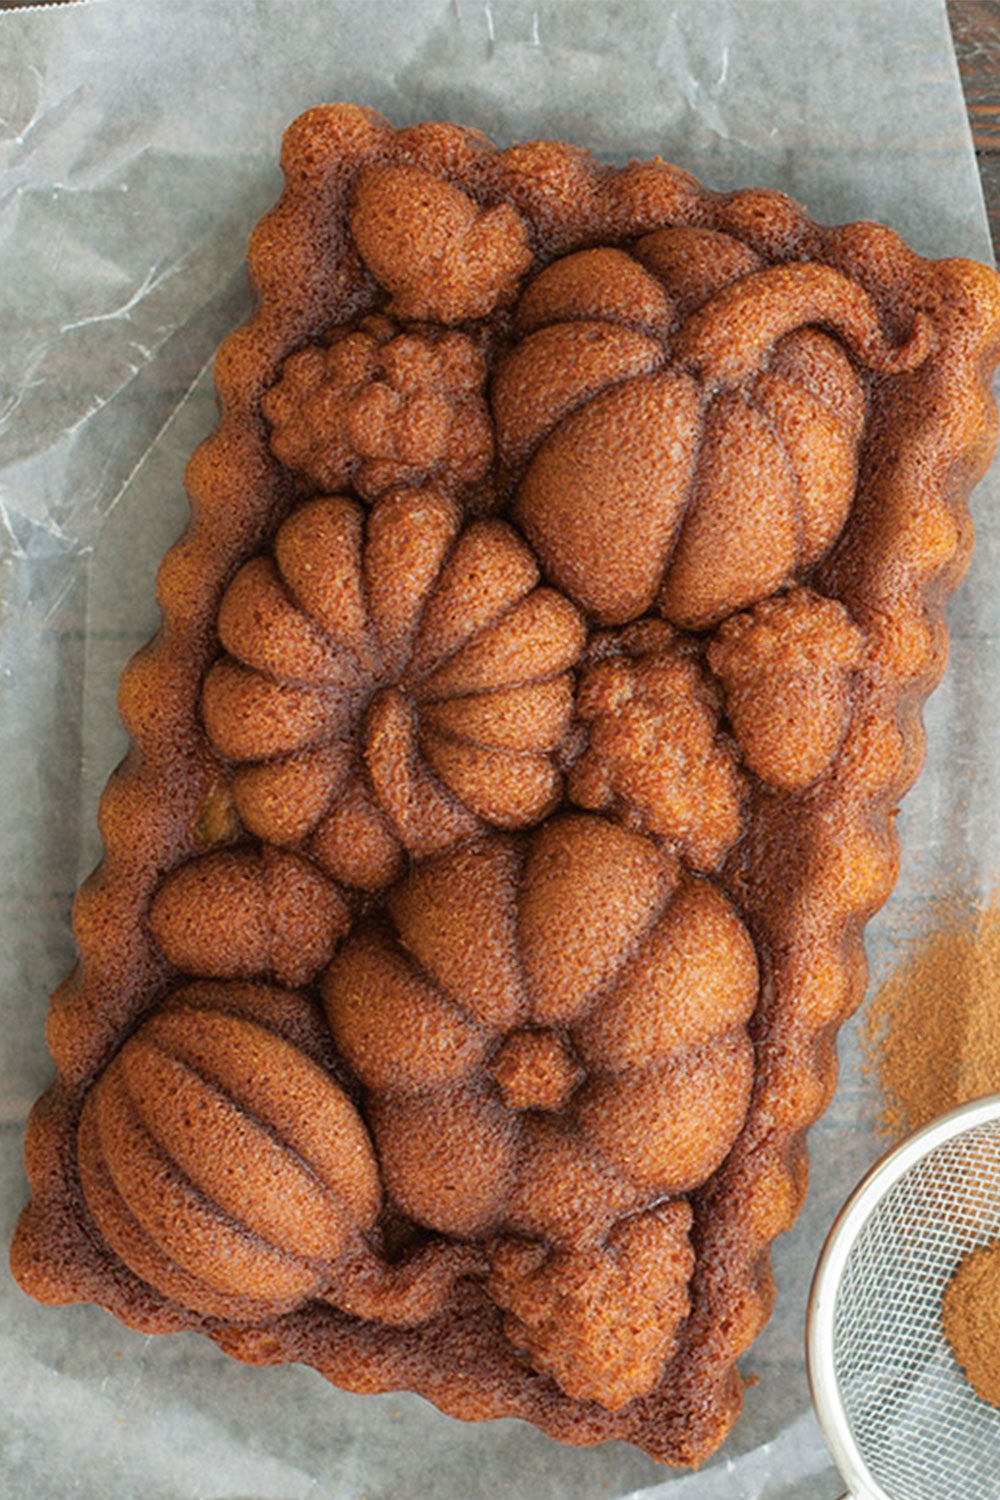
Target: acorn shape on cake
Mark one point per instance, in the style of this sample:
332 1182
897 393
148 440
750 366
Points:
379 406
550 1031
392 683
655 757
683 425
219 1158
786 668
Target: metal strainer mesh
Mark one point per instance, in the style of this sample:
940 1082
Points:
916 1424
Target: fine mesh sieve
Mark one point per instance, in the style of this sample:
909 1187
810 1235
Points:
899 1416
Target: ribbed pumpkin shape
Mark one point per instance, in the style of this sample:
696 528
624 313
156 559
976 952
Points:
553 1037
691 429
219 1158
559 1016
393 683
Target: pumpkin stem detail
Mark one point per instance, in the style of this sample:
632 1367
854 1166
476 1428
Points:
726 339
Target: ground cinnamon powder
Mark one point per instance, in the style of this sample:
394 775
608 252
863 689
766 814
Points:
970 1315
931 1034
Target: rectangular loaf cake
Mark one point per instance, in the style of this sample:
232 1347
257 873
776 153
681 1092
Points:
511 780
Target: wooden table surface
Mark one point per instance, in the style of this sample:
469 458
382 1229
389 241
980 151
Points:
975 26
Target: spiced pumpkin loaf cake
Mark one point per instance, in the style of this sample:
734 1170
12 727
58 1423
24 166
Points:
511 779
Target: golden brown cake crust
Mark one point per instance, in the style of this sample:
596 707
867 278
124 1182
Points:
838 342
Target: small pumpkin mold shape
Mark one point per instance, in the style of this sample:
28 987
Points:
550 1032
393 683
604 1321
786 668
377 407
442 257
219 1158
690 417
240 913
655 759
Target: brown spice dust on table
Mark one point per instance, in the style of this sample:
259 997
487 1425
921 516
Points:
970 1316
930 1034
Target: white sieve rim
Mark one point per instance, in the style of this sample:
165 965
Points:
837 1248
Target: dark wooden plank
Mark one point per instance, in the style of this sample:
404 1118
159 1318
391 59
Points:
975 27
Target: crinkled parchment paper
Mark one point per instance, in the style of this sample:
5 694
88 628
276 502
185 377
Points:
138 146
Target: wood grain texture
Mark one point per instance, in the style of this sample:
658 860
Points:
975 27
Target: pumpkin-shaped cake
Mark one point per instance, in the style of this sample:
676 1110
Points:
220 1159
689 417
550 1035
391 683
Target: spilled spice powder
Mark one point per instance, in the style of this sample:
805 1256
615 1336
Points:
970 1316
931 1034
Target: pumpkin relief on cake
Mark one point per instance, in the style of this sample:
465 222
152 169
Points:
584 1062
392 683
517 675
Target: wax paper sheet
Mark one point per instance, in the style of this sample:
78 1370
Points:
138 145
